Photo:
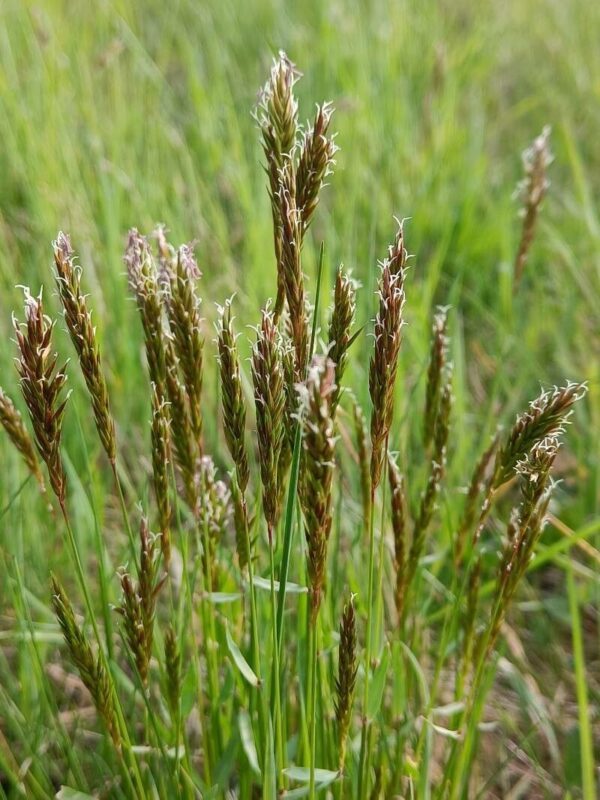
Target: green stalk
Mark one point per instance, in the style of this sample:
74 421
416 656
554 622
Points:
379 624
262 715
363 780
312 705
124 512
189 594
210 636
276 693
588 781
118 709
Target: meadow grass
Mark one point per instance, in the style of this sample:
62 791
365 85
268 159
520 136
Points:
139 115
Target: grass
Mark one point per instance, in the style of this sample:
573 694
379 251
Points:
138 115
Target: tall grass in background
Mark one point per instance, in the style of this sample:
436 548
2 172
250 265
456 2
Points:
299 599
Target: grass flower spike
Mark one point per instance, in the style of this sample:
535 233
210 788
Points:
42 383
83 335
13 424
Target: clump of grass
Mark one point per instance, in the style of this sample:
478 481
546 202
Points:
223 699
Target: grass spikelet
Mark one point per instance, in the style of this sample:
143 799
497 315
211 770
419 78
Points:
525 527
315 163
41 383
291 265
214 511
234 409
531 191
90 667
318 446
83 335
340 328
546 416
183 306
184 446
143 281
139 603
277 118
161 457
400 530
436 476
346 678
12 422
269 397
435 373
384 362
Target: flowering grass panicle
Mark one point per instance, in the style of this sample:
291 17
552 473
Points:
546 416
384 361
90 667
144 283
435 373
532 190
315 163
291 266
525 526
12 422
400 521
139 602
340 328
277 118
269 397
183 306
161 457
182 437
234 409
346 678
42 383
434 482
318 447
83 335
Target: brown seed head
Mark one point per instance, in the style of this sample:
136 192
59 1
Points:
41 383
277 118
184 442
161 457
315 163
384 362
83 335
90 667
13 424
318 466
269 397
435 373
234 410
144 283
183 305
346 678
531 190
291 266
546 416
340 327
